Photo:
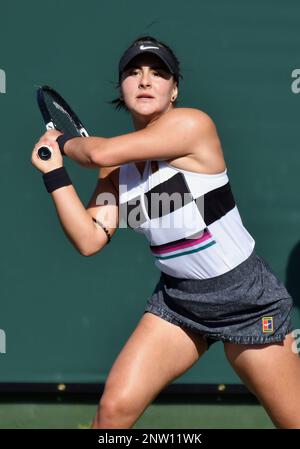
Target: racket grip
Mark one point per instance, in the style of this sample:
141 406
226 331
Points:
45 153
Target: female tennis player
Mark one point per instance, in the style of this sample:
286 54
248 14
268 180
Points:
213 286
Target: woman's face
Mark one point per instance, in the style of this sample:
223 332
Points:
148 76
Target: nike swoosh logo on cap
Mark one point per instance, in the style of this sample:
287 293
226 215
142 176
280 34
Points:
142 47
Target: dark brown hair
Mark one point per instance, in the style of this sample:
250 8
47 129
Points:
120 104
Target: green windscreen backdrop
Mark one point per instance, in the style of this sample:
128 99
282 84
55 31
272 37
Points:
66 317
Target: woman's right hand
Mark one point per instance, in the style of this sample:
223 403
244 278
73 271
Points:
55 161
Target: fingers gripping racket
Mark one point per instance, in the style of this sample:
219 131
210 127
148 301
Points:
57 114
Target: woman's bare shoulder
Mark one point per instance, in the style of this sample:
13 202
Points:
191 116
194 112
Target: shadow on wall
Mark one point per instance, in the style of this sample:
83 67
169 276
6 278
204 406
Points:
293 277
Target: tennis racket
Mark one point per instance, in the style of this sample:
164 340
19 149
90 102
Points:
57 114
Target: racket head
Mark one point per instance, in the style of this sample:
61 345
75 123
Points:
58 114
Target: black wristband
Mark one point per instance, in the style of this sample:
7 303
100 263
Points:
56 178
61 140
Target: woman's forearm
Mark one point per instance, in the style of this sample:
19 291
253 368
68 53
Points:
77 224
81 149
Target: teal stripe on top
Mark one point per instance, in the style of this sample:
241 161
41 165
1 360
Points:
186 252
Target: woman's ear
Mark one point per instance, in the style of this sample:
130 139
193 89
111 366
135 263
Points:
174 93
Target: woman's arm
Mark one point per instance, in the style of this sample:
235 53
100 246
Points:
177 133
77 221
104 203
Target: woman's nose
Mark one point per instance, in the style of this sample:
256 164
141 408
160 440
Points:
145 79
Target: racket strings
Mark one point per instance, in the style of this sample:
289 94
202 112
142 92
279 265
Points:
60 117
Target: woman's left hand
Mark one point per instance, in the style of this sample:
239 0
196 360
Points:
50 136
56 160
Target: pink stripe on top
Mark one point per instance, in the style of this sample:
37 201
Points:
186 244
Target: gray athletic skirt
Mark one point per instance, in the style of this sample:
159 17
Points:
246 305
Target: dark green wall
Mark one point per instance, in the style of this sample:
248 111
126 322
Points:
66 317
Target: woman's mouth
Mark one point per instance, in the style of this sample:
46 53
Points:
145 97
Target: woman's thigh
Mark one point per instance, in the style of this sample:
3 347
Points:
156 353
272 373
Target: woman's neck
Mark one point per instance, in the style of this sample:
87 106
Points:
141 122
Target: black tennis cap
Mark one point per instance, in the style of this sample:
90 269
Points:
149 46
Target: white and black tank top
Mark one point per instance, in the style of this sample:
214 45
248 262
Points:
191 221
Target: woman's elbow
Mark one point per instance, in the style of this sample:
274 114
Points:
85 253
100 159
101 156
90 250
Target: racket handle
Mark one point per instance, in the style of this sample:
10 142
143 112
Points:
45 153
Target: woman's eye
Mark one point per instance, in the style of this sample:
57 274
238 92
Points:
134 72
